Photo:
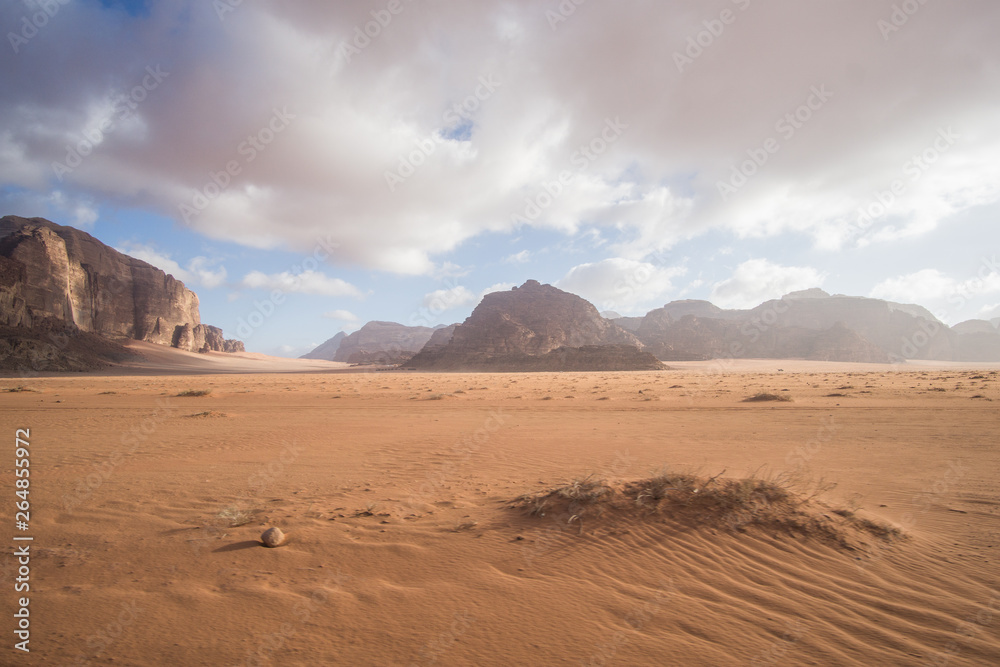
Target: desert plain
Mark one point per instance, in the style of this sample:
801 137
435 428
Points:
151 486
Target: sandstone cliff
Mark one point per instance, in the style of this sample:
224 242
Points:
806 325
536 327
327 349
382 343
52 275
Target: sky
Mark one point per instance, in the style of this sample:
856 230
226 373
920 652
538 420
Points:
306 167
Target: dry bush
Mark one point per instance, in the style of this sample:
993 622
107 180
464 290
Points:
777 501
764 397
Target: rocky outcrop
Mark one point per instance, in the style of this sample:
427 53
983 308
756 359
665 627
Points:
326 350
53 346
535 327
976 340
56 274
805 325
382 342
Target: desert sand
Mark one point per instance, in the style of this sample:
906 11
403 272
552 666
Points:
395 490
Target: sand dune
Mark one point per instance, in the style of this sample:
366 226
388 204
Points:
396 489
163 360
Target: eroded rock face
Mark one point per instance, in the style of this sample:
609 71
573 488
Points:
535 327
326 350
59 274
382 342
804 325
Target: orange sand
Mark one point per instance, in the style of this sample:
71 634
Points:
393 488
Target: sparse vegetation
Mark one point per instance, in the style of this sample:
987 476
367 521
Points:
775 502
194 392
764 397
235 517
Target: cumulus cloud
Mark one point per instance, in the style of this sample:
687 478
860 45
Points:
498 287
622 285
758 280
198 271
269 159
931 285
344 316
307 282
450 298
519 257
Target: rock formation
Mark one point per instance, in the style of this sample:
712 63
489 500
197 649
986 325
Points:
813 325
535 327
382 343
53 276
976 340
327 349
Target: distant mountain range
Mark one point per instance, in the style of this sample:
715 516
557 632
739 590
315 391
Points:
541 327
67 302
535 327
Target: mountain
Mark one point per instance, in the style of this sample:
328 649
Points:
812 324
55 278
326 350
976 340
535 327
382 343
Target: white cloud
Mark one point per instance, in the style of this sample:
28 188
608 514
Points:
200 267
989 312
518 258
499 287
931 285
443 300
345 316
198 272
758 280
623 285
322 178
307 282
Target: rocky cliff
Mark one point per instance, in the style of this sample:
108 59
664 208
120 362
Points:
536 327
327 349
814 325
382 343
52 276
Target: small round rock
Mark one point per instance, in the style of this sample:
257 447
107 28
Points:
272 537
